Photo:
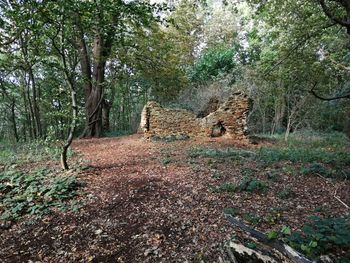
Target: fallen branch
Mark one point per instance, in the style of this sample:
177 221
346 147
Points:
336 197
276 251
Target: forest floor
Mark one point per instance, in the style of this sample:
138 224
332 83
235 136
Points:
157 201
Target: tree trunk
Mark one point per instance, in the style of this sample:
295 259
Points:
13 118
64 162
31 113
106 109
36 111
94 75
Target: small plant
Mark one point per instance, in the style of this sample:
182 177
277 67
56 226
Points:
250 184
225 187
246 171
252 218
165 161
315 168
285 194
274 216
212 164
231 211
322 235
217 175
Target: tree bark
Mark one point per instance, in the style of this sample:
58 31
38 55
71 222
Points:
94 76
13 118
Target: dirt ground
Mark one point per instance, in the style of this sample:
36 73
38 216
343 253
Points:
149 202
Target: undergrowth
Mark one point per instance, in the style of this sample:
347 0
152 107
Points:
319 236
29 152
36 192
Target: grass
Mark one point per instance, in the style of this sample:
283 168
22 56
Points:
28 152
302 155
325 154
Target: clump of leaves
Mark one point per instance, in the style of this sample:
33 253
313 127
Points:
251 218
285 193
225 187
33 193
165 161
274 216
217 175
251 184
322 236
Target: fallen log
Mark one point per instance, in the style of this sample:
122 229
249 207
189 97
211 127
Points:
268 251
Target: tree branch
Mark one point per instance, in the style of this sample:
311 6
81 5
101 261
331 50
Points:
312 91
331 16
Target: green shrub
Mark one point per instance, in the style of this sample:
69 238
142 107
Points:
250 184
285 194
322 236
315 168
251 218
225 187
165 161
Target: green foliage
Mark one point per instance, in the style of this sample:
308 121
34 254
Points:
219 153
117 133
36 192
213 62
231 211
250 184
274 216
227 187
302 155
251 218
339 171
285 194
321 235
315 168
165 161
29 152
272 235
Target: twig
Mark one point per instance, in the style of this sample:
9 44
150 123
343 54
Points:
335 192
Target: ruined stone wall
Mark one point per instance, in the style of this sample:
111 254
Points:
228 120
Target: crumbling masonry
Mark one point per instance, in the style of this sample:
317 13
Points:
227 119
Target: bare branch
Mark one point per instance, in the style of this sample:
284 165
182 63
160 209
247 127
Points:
312 91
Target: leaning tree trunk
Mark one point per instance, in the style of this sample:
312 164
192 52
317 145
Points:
64 163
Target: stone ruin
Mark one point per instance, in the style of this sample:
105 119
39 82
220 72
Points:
227 119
